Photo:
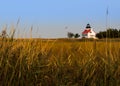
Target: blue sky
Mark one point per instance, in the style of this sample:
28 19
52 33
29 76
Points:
50 17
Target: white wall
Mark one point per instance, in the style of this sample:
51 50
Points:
91 34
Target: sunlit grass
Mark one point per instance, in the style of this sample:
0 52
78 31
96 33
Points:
59 63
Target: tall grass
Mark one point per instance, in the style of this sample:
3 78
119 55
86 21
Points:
32 62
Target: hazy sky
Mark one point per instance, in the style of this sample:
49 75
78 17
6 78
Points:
51 17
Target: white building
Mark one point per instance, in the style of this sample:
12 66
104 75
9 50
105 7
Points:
88 32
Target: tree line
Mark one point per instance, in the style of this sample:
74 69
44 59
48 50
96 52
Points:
109 33
72 35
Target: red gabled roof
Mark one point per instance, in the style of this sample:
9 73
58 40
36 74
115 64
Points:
86 31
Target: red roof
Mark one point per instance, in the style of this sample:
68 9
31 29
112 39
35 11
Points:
86 31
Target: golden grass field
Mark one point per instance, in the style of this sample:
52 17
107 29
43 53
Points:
37 62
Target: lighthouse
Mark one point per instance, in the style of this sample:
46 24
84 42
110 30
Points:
88 32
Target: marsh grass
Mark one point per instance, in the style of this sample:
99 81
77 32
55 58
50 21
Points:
59 63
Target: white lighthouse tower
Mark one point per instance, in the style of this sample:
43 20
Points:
88 32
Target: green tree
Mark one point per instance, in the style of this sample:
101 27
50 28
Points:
110 33
76 35
70 35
